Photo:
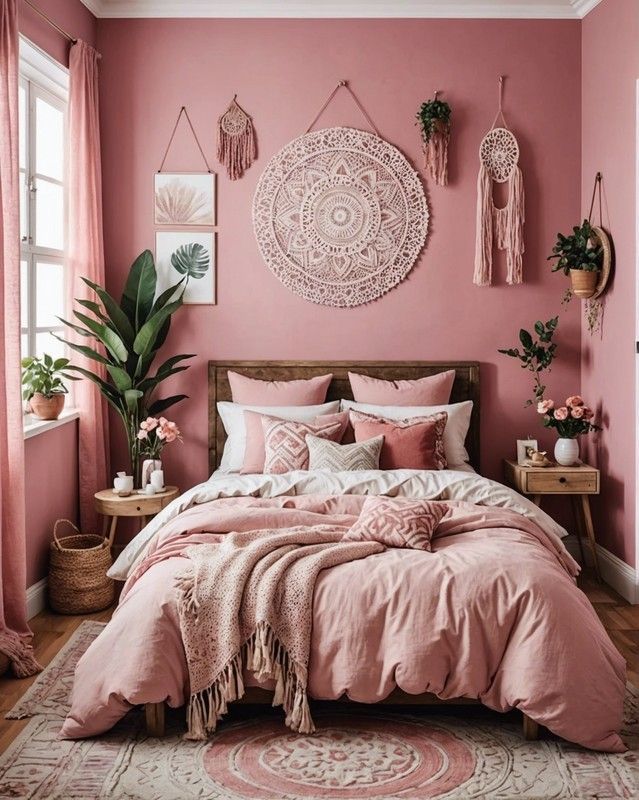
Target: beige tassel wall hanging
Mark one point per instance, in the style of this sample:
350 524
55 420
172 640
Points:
434 120
504 227
236 145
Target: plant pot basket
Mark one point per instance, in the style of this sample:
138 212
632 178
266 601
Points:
78 564
584 282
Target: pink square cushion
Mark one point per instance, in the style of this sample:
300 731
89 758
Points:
255 454
416 443
397 522
285 446
253 392
431 391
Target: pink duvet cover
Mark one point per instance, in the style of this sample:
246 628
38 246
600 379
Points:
492 613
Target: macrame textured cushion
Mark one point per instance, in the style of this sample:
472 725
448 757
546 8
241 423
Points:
285 442
340 216
397 522
499 153
343 457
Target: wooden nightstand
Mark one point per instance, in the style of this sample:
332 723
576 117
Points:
579 482
142 506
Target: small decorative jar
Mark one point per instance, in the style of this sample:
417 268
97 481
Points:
149 465
567 452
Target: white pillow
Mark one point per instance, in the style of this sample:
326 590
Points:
454 433
232 416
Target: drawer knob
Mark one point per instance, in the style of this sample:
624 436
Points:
138 508
563 480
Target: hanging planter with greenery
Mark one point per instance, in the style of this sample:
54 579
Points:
579 255
434 120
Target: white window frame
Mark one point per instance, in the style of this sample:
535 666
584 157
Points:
44 78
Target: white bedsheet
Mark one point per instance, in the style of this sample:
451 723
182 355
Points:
458 484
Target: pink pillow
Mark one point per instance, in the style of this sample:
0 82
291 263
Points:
431 391
415 443
285 442
254 453
253 392
397 522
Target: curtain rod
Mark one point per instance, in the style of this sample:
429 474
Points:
60 30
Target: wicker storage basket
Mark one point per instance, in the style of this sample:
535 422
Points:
78 564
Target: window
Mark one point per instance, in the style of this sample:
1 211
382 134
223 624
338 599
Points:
42 112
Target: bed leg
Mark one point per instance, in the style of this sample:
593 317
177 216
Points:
154 713
531 729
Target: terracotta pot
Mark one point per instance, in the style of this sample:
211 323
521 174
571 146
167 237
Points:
584 282
47 407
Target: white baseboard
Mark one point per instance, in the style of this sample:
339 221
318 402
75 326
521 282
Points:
614 571
36 598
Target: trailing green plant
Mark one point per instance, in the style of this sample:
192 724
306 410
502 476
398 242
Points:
536 355
430 113
129 335
44 376
578 250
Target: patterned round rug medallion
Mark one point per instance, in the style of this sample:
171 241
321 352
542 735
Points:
340 216
357 752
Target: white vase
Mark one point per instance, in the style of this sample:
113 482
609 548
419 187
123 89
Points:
567 452
149 465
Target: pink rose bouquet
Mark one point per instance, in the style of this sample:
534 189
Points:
570 420
155 433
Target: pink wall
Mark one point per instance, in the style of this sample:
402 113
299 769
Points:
71 15
51 458
282 71
51 469
610 63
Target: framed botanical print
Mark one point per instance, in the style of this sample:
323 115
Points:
190 255
184 198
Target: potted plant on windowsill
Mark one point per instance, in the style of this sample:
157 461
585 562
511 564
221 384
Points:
43 386
579 255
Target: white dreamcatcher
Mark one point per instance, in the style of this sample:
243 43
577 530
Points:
498 159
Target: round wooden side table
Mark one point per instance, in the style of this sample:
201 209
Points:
142 506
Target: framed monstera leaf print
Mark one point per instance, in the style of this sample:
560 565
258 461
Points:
190 256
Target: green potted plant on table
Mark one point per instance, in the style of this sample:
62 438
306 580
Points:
43 386
129 335
579 255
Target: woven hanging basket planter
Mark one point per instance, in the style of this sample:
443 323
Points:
78 564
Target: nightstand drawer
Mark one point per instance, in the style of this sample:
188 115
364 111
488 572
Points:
577 482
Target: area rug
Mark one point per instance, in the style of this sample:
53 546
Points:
358 752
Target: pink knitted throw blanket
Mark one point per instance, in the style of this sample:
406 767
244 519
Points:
246 604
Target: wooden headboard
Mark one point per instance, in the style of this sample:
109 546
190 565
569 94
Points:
466 387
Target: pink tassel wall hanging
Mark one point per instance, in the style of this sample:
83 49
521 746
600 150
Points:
236 145
499 157
434 119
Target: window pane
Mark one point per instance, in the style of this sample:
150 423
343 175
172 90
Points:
24 193
45 343
22 126
49 134
24 346
24 295
49 294
49 215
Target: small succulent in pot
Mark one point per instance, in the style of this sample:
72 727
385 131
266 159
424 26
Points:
579 255
43 386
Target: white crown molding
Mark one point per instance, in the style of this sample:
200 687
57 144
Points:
330 9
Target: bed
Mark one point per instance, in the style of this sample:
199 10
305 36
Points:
532 596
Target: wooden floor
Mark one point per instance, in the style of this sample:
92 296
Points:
52 631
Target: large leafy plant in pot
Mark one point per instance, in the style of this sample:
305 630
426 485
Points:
129 335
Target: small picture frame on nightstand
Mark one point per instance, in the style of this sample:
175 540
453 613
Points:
525 448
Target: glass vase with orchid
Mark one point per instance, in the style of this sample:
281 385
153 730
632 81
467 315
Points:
154 434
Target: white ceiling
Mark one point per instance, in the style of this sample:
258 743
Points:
495 9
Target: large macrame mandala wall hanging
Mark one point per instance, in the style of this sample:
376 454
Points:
340 216
498 162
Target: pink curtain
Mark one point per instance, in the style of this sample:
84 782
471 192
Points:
86 259
15 636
